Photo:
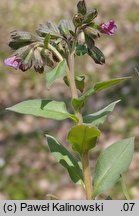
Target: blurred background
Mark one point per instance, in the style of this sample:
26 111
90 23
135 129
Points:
27 170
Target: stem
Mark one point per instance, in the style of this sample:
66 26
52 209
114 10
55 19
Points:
85 156
87 176
74 93
124 188
71 78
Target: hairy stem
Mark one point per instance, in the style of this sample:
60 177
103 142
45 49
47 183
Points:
85 156
87 176
71 78
74 93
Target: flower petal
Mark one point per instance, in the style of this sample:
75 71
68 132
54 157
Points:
109 27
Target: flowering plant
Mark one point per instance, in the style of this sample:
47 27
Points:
53 51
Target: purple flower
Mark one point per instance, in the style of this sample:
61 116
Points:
108 28
13 62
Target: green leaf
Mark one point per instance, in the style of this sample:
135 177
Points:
83 138
79 103
43 108
66 159
81 50
56 73
113 161
79 81
99 117
96 55
106 84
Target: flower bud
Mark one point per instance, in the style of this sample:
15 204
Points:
26 62
82 7
90 16
38 60
78 19
92 32
20 39
81 38
48 58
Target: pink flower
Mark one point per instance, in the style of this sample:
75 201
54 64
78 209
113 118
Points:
108 28
13 62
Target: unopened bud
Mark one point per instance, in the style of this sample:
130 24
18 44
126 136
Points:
26 62
82 7
78 19
92 32
37 60
81 38
90 16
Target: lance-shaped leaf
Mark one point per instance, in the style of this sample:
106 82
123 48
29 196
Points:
43 108
83 138
99 117
56 73
113 161
66 159
96 55
79 103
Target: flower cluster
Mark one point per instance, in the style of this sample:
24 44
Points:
80 34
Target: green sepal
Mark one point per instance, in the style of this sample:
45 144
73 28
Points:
46 40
